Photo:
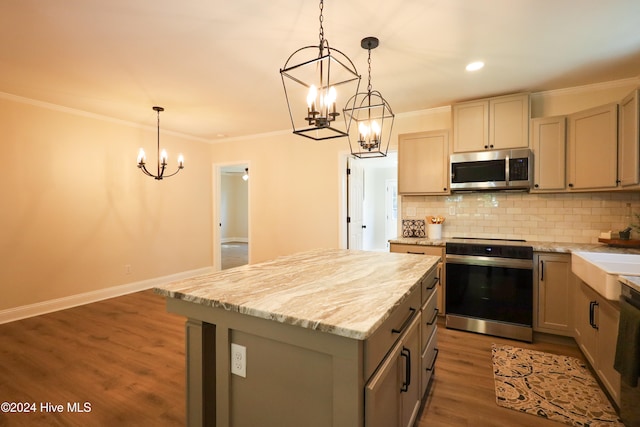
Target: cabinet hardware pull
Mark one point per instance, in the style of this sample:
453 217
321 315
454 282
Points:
406 353
541 271
415 253
406 322
592 306
433 364
435 316
435 282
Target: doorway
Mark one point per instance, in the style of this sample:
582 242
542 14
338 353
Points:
372 202
231 236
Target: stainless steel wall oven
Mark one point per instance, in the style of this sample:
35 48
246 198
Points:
490 287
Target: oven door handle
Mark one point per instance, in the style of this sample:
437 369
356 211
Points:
524 264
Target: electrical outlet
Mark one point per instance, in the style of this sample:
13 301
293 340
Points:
127 269
239 360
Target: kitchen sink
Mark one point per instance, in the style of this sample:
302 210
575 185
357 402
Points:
601 270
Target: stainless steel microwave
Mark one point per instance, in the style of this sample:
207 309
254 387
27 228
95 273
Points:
492 170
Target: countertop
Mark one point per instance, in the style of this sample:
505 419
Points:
557 247
343 292
632 281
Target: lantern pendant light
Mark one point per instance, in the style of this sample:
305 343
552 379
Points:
369 117
315 78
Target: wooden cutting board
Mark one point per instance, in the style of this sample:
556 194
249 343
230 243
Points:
623 243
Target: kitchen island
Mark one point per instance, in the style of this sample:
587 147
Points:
329 336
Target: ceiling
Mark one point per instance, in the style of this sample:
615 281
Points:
214 64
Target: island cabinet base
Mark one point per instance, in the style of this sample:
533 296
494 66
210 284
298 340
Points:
348 346
294 376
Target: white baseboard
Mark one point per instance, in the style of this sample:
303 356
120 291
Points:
234 239
44 307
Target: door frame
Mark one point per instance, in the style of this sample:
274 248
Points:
343 194
217 214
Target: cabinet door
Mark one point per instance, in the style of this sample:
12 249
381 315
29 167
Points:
608 318
585 334
509 122
471 126
410 391
392 395
383 401
593 148
629 141
548 142
554 298
423 163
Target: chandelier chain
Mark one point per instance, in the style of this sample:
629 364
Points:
321 19
369 83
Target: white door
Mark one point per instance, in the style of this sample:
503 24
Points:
355 190
391 210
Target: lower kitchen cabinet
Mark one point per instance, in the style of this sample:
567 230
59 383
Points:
394 392
427 250
596 332
553 310
392 396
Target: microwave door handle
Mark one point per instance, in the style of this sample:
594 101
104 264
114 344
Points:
506 170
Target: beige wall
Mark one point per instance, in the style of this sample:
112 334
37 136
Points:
76 210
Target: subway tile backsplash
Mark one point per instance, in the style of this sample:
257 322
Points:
577 217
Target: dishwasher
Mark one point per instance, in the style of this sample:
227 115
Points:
630 393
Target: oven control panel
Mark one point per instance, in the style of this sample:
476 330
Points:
490 250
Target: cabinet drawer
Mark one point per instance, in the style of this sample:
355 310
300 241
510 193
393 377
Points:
428 360
379 344
416 249
429 284
429 319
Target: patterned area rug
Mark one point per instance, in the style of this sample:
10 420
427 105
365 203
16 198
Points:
556 387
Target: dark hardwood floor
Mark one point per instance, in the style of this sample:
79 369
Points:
125 357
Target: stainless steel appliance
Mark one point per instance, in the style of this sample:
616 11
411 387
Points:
630 396
490 287
492 170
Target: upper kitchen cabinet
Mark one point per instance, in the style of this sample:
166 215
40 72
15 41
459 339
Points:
423 163
548 143
592 162
491 124
629 142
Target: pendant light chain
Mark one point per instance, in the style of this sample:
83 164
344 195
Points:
321 19
369 61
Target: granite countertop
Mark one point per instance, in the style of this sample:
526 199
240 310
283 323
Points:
343 292
557 247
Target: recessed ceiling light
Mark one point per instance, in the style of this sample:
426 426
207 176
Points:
475 66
